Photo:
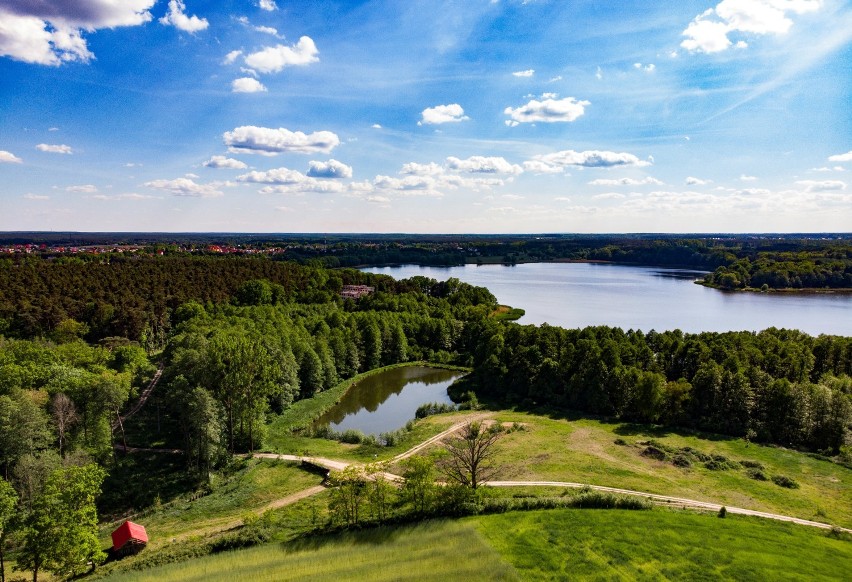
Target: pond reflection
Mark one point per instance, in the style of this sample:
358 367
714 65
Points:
386 401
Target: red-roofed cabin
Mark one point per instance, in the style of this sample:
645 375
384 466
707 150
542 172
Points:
129 538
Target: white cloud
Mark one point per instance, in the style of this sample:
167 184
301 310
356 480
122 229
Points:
287 181
483 165
247 85
415 169
690 181
29 196
185 187
626 182
649 68
268 5
443 114
609 196
50 33
821 186
267 30
250 139
54 149
9 158
84 189
424 185
378 199
178 18
847 157
746 178
273 59
226 163
591 159
548 110
598 74
376 126
527 73
709 32
539 167
329 169
231 57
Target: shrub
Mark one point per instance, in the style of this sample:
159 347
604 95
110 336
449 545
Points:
620 442
784 481
681 460
721 463
431 408
751 464
756 474
723 512
654 453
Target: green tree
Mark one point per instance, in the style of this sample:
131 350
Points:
60 534
8 503
419 488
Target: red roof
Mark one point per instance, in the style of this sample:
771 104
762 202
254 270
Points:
126 532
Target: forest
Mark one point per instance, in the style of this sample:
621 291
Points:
241 339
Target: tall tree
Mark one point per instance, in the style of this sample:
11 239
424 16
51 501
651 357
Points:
8 503
470 458
60 534
64 416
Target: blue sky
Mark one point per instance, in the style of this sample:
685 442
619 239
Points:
413 116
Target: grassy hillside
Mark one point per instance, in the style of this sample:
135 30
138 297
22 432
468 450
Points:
539 545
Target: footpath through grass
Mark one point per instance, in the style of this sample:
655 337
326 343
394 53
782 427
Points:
585 451
539 545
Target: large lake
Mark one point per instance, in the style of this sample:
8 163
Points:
583 294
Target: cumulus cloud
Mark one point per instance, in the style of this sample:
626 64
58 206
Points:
821 185
609 196
176 16
539 167
747 178
250 139
709 31
847 157
415 169
9 158
127 196
547 110
285 181
442 114
231 57
226 163
329 169
247 85
30 196
691 181
185 187
483 165
626 182
50 33
268 5
423 185
649 68
273 59
591 159
527 73
54 149
84 189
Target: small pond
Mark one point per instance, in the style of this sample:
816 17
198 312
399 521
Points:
385 401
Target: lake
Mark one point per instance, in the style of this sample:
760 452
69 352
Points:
582 294
385 401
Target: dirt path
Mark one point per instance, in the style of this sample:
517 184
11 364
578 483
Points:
666 500
143 398
438 437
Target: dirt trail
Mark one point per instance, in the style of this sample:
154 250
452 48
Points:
143 398
666 500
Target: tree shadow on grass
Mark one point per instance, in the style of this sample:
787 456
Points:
372 534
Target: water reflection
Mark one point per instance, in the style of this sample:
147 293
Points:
386 401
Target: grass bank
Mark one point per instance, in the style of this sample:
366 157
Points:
539 545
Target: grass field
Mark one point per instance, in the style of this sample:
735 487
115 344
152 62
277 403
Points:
540 545
584 451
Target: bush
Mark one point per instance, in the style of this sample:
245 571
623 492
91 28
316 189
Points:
431 408
756 474
723 512
784 481
721 463
620 442
681 460
654 453
751 464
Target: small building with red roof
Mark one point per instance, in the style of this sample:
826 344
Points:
129 538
